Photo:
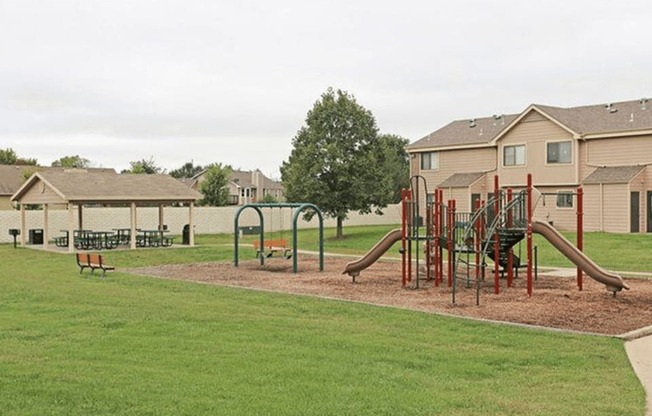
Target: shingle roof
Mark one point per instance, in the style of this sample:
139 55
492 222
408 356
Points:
465 132
604 118
613 174
13 176
97 186
461 180
621 117
242 178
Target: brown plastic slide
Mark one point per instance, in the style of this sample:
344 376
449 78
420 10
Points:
613 281
355 267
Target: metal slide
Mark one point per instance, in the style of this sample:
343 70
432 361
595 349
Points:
355 267
613 281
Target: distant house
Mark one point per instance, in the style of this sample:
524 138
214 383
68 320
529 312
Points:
12 178
606 149
245 186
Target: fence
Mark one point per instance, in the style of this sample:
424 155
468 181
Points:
208 220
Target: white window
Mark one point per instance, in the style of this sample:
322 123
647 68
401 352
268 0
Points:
564 200
559 152
514 155
430 161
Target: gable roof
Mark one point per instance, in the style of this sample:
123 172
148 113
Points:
591 121
464 133
13 176
98 187
613 174
242 179
461 180
619 117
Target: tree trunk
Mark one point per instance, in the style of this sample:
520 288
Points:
340 234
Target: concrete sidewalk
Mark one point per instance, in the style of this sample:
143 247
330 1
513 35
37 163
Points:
639 352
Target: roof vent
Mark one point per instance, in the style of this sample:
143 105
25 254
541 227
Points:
472 123
643 102
499 119
611 108
631 118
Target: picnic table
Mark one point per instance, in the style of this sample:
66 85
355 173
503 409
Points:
98 240
123 235
153 238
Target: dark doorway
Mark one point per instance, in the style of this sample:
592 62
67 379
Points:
649 211
635 212
475 198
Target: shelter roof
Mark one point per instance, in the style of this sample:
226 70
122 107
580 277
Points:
95 187
13 176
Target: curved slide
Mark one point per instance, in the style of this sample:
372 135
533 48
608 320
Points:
613 281
355 267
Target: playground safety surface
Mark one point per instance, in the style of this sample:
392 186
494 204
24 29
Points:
556 300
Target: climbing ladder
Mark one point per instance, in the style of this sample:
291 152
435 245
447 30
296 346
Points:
491 231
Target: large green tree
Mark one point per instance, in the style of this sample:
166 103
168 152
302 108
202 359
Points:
395 162
72 162
146 166
214 185
188 170
9 157
336 162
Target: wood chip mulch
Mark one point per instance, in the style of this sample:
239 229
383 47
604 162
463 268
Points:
556 301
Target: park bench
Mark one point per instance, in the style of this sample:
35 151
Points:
92 261
274 246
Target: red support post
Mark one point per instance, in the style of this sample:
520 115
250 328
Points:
580 232
449 244
436 226
529 235
441 250
496 237
477 240
510 253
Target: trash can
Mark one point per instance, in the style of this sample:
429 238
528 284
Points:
250 230
35 236
186 234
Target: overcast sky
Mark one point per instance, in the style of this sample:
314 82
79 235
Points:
231 82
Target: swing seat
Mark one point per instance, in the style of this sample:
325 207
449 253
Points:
273 246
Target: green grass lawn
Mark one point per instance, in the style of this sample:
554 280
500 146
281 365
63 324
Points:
74 345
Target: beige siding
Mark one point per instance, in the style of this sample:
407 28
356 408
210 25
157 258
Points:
616 208
614 152
5 203
625 151
535 135
40 194
592 208
461 197
546 209
456 161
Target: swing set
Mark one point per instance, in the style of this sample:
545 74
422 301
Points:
267 248
272 246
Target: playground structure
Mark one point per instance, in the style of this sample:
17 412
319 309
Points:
468 239
265 250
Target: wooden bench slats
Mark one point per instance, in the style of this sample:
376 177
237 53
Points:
93 262
278 244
